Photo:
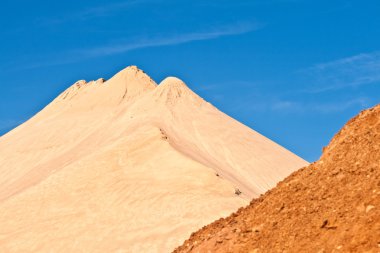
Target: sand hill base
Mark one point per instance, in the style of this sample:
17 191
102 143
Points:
333 205
126 165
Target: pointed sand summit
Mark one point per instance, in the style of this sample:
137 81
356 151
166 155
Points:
127 165
172 89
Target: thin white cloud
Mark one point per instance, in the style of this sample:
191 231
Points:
271 104
144 42
215 33
284 105
354 71
361 102
320 107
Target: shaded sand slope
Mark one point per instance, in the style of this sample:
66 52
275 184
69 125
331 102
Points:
126 165
333 205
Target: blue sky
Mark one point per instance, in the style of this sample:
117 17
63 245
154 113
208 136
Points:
294 70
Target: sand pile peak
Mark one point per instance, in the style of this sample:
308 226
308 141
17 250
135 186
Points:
130 82
172 89
133 72
136 165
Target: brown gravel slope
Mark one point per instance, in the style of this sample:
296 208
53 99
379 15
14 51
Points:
333 205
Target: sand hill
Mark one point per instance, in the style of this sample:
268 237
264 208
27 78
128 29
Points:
333 205
126 165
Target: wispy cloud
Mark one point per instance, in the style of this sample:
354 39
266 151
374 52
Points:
361 102
361 69
265 103
229 30
284 105
320 107
145 42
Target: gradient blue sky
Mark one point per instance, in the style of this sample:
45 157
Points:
294 70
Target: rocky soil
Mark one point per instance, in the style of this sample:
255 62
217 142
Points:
332 205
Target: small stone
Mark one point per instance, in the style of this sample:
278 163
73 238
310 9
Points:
256 229
369 208
248 230
324 223
237 191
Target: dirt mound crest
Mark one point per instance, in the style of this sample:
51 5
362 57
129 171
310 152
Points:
333 205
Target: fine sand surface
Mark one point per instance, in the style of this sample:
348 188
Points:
126 165
332 205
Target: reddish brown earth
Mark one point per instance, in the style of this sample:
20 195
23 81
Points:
332 205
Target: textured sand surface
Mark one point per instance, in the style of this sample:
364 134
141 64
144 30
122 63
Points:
332 205
125 165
